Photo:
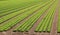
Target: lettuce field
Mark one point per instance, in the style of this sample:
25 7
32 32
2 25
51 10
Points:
29 17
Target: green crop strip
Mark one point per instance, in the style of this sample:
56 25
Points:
58 25
26 26
16 9
13 5
43 25
4 18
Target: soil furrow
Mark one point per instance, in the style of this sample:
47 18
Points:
54 24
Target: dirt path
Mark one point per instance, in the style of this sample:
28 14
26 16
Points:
55 21
54 25
1 33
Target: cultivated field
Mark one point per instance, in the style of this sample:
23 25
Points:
29 17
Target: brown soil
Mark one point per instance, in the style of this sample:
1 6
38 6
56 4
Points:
54 25
55 21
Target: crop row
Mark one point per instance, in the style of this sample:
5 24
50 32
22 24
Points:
4 18
15 9
8 9
46 23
